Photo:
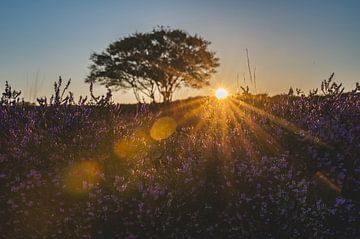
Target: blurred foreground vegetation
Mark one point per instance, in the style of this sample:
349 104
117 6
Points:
250 166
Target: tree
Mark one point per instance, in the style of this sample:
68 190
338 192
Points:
156 62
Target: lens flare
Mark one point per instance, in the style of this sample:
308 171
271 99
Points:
163 128
82 177
133 147
221 93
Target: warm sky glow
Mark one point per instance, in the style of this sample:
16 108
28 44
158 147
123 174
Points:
221 93
291 43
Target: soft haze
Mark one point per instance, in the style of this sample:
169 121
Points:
291 43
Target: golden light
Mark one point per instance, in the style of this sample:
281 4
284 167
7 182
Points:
163 128
221 93
82 177
133 147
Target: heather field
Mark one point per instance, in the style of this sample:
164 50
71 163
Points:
248 166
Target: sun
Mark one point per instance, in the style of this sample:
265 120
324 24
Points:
221 93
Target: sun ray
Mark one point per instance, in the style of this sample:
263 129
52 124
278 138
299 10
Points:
184 105
328 182
281 122
265 138
242 138
190 114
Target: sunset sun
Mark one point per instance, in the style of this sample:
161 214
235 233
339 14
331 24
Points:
221 93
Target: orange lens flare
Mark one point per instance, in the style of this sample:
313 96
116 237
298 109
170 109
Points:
81 177
163 128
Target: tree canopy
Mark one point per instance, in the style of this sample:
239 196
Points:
156 62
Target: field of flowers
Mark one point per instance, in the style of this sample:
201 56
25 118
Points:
248 166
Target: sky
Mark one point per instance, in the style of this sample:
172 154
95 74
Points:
291 43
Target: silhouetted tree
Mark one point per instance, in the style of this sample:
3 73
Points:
162 61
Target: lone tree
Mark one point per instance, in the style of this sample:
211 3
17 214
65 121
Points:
156 62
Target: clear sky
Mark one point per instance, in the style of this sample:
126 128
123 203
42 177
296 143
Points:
291 43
